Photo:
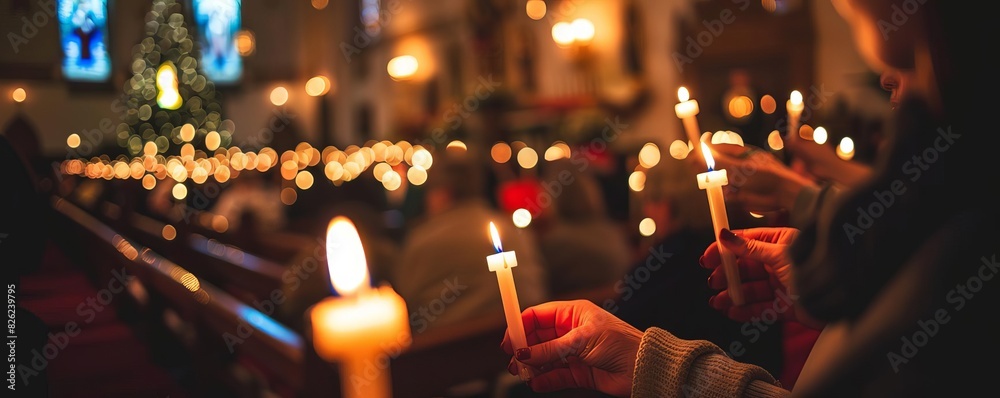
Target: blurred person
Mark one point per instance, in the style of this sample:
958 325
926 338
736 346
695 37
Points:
24 218
889 291
443 258
582 245
254 197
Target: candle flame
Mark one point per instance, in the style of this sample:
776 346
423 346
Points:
796 97
682 94
709 160
346 257
496 237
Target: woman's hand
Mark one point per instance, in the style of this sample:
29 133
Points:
757 179
576 344
765 272
822 162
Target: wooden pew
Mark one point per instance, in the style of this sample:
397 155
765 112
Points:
243 275
227 338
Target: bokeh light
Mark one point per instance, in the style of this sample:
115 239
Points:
679 149
500 152
637 181
318 86
73 140
845 150
774 140
279 96
583 30
527 157
647 227
521 218
304 180
535 9
19 95
245 42
768 104
179 191
649 155
562 34
402 67
820 135
416 175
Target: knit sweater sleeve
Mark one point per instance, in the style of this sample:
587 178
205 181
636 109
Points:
671 367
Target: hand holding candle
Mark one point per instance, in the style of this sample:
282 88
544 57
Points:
502 263
712 182
356 329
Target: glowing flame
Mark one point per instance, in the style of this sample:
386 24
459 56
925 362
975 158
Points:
709 160
682 94
796 97
346 257
496 238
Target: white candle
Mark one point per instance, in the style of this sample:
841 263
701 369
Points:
502 263
358 329
794 107
686 110
712 182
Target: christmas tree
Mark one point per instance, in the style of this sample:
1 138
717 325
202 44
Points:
170 102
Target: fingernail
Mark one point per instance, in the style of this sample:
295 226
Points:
522 354
701 260
728 236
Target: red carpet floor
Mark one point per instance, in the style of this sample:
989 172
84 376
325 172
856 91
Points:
106 358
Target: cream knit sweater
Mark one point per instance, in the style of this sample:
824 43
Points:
671 367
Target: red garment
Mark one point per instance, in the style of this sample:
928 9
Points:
797 342
522 193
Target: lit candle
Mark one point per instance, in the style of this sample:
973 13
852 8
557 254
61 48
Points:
358 329
712 182
502 263
794 107
686 110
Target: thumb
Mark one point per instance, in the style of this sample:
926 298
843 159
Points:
765 252
557 349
